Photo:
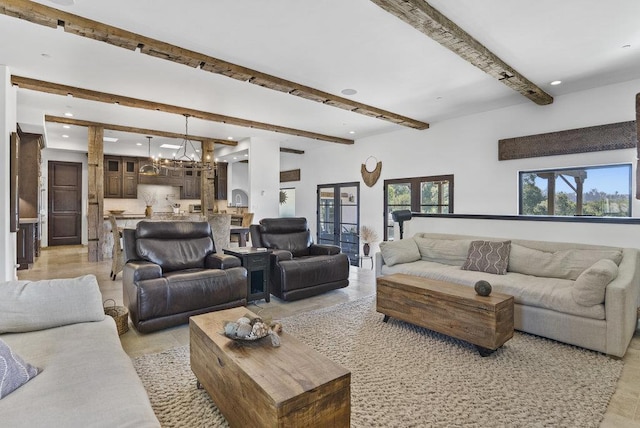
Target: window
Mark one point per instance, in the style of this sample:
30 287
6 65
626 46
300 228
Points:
603 191
426 195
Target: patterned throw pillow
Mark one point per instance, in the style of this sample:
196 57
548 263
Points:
488 256
14 371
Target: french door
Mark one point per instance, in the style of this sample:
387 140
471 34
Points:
339 217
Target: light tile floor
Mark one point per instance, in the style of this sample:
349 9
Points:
64 262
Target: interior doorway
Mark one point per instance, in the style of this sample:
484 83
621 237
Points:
65 203
339 217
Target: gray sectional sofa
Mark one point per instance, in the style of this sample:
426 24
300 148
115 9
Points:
584 295
86 379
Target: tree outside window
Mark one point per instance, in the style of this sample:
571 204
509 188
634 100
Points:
426 195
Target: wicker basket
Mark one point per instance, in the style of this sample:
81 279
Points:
120 314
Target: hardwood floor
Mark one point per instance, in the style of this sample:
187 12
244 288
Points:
64 262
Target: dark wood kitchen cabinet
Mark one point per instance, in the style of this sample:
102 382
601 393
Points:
191 184
220 180
120 177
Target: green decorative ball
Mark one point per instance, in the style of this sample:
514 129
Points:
483 288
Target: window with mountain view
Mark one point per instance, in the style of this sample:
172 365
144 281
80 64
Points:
601 191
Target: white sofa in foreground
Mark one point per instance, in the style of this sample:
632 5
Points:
584 295
87 380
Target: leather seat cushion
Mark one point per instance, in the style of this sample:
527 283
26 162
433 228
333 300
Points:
185 291
305 272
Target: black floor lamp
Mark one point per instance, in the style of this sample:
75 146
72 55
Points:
400 217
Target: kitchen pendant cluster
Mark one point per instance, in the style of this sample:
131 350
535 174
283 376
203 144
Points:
180 160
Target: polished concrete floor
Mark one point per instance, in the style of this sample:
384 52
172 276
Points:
64 262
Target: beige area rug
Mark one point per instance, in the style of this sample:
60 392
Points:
407 376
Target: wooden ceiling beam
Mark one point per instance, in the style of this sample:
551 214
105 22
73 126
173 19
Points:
134 130
51 17
422 16
88 94
294 151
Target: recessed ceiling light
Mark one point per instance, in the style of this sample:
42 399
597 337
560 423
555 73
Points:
349 91
234 158
66 126
65 136
352 132
197 150
109 139
138 144
556 82
246 155
229 138
170 146
68 114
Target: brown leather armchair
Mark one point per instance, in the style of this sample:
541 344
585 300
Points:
298 267
172 272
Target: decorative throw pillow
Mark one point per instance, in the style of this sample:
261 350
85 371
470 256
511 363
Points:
589 288
488 256
402 251
14 371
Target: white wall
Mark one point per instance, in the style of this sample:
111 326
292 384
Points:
7 126
264 178
468 148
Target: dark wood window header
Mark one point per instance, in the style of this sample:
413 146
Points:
614 136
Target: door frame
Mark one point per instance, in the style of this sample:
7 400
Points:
337 235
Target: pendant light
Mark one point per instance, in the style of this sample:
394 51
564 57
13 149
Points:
150 168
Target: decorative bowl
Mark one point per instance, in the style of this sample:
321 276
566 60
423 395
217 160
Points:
116 212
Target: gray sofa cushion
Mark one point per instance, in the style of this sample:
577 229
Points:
87 380
565 264
589 288
488 256
14 371
37 305
401 251
447 251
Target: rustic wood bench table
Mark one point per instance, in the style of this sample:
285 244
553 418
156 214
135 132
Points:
448 308
256 385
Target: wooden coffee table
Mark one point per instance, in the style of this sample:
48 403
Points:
254 384
448 308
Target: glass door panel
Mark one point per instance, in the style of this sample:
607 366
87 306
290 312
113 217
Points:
339 218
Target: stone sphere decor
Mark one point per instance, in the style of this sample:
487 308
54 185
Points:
483 288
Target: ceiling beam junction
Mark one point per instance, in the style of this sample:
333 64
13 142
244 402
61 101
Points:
88 94
51 17
423 17
134 130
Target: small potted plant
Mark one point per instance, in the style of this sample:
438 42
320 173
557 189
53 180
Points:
368 236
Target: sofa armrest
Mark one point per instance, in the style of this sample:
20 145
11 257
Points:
221 261
280 255
323 250
141 270
621 303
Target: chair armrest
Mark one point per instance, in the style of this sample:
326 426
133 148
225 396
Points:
221 261
323 250
142 270
280 255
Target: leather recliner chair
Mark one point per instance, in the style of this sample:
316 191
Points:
298 267
172 272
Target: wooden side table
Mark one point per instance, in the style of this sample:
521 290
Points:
257 264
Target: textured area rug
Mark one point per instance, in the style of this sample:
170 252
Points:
407 376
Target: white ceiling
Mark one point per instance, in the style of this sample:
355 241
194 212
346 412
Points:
325 44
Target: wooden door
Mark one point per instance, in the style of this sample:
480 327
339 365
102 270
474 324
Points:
65 203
